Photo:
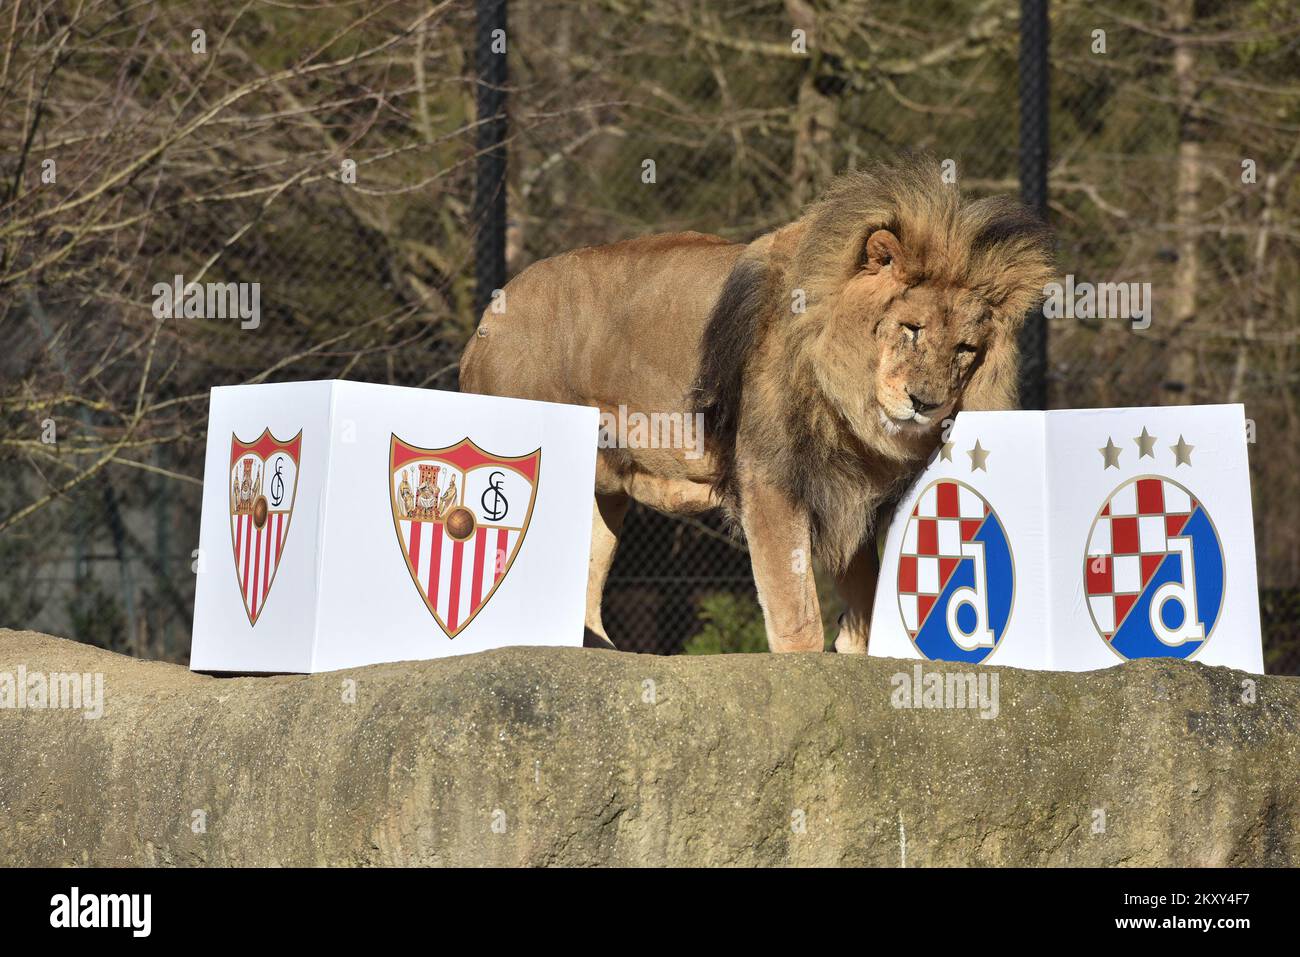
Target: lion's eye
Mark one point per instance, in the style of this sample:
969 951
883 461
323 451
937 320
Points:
913 332
966 349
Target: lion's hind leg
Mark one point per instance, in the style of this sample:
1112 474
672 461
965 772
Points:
857 586
607 514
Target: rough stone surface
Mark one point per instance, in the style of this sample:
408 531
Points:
597 757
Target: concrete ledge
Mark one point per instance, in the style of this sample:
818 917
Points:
575 757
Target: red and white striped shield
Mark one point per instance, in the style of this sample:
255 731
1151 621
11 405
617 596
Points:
263 486
460 515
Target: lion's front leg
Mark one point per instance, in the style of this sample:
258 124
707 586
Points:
857 586
780 550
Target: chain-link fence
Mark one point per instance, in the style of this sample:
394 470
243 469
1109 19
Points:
329 153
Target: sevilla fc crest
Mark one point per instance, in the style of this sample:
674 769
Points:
956 580
1154 571
460 514
263 485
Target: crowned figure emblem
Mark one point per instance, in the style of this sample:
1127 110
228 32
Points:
426 493
246 488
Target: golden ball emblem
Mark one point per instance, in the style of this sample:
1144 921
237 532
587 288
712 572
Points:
260 511
460 523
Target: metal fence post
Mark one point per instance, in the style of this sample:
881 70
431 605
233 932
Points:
489 211
1034 108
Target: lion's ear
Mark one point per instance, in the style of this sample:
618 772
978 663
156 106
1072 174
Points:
884 251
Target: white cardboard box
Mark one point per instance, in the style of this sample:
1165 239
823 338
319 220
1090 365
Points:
1073 540
346 524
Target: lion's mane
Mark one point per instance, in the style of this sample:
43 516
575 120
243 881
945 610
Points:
993 246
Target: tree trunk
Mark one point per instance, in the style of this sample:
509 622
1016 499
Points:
1181 371
815 119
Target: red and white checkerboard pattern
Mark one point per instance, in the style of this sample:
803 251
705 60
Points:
1128 542
947 514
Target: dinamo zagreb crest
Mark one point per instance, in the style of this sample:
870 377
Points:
461 514
956 578
1154 570
263 485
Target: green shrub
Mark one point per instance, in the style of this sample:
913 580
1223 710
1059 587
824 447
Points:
732 623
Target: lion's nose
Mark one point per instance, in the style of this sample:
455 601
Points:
921 405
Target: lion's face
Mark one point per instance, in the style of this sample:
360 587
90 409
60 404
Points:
929 342
927 338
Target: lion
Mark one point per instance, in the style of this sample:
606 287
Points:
824 356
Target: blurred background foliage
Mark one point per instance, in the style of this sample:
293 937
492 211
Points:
232 160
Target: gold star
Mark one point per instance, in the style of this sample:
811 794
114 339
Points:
1110 453
1182 452
978 456
945 451
1146 444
